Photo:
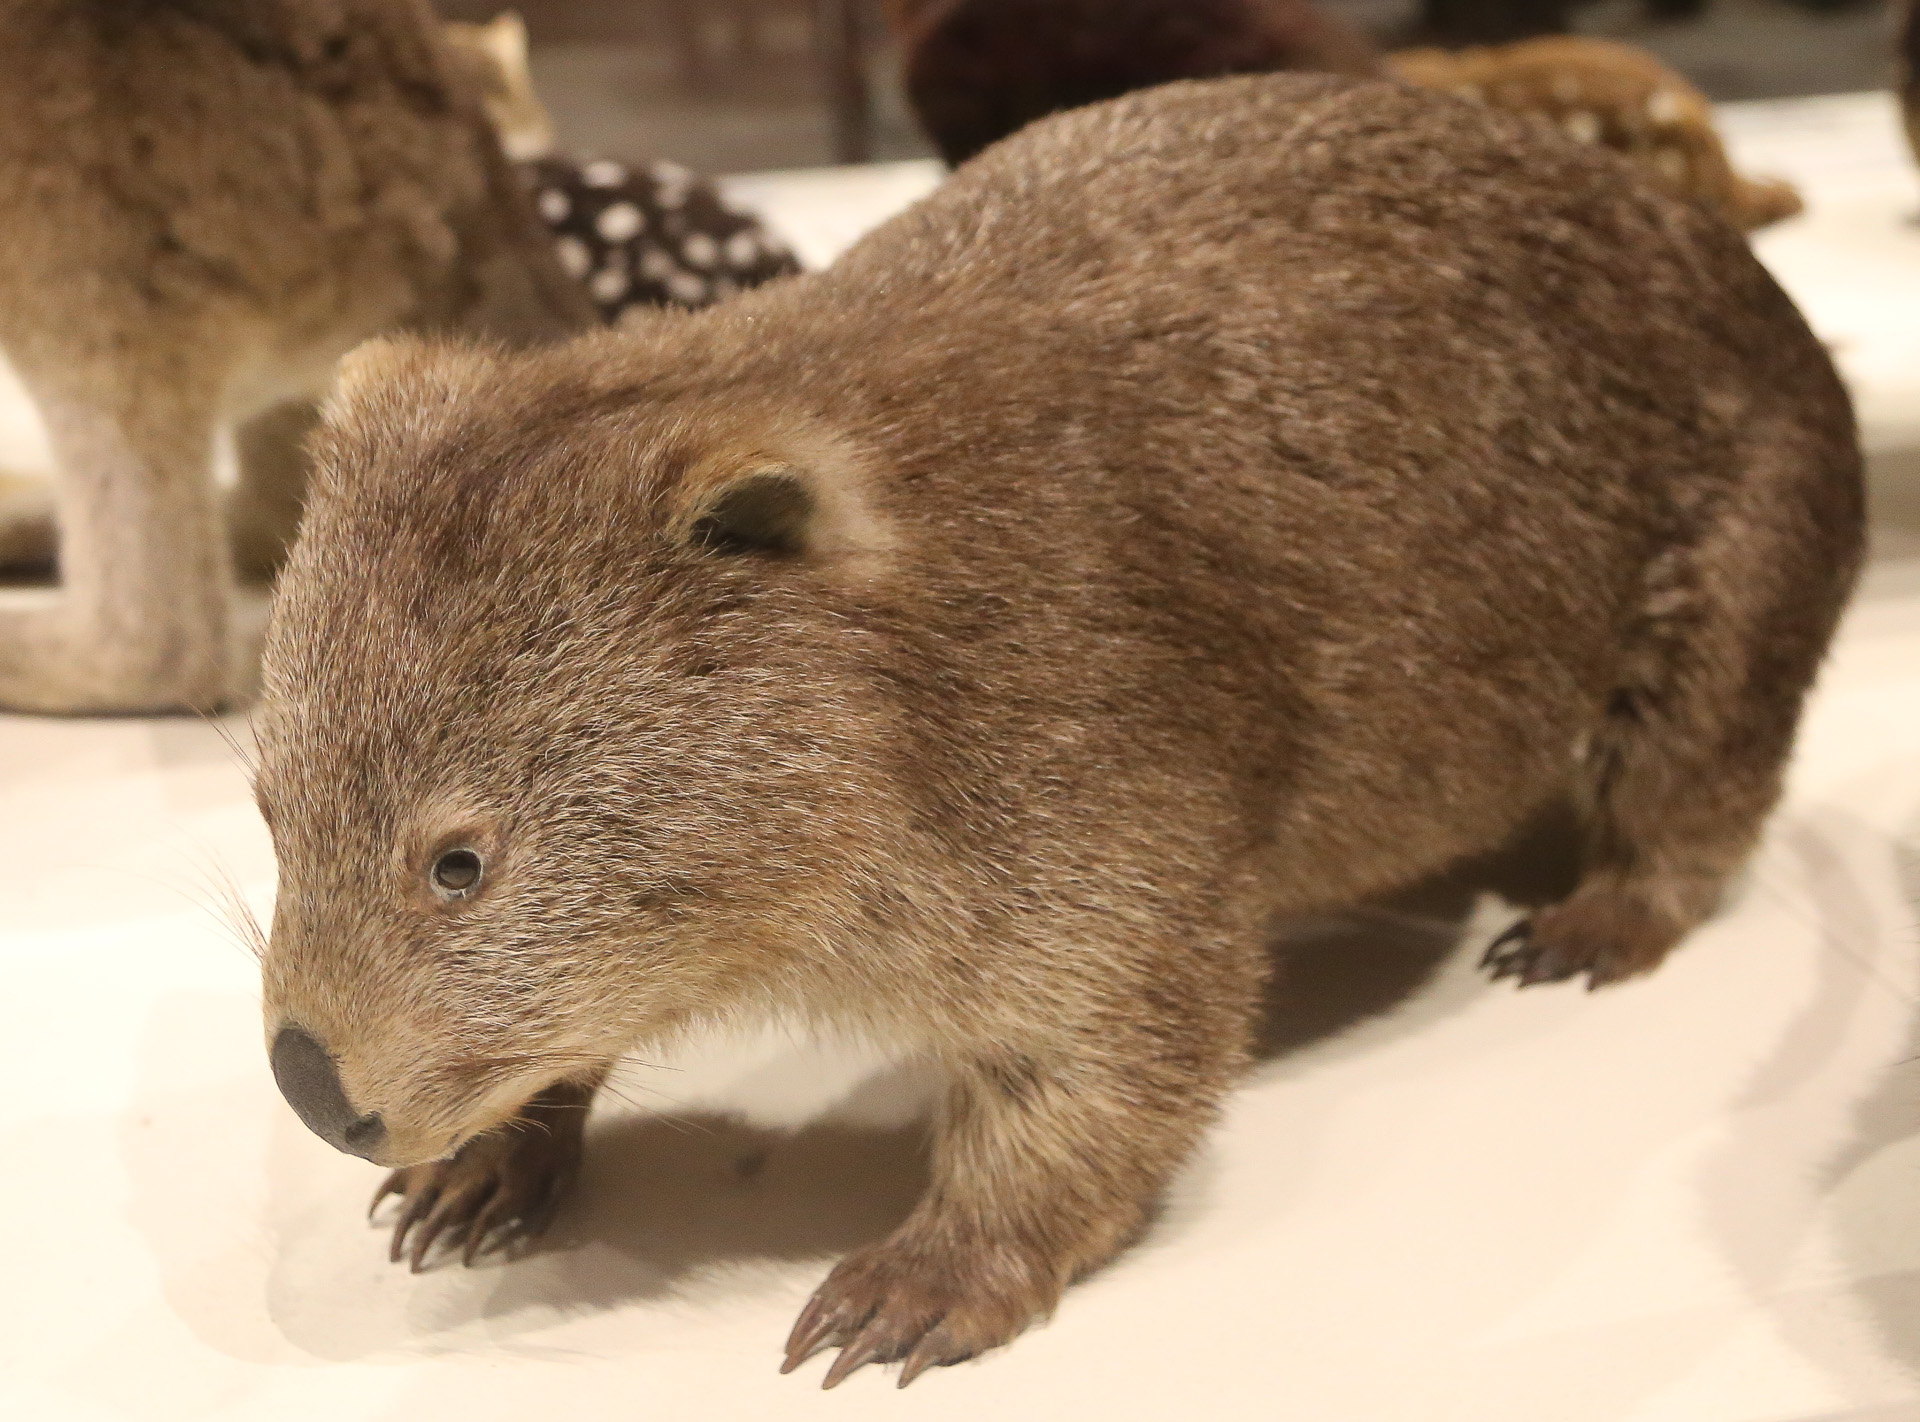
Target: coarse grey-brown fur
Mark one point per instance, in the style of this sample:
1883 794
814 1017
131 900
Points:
1230 500
203 204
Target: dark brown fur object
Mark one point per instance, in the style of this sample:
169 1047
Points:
1616 95
1231 500
978 70
203 204
1455 22
1909 58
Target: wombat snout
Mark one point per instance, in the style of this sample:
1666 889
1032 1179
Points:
311 1083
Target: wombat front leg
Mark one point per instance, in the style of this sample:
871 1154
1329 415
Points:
1042 1170
499 1188
141 621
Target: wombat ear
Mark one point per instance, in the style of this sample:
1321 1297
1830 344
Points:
774 509
769 511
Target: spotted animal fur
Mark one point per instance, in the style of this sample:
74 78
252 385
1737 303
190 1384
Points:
652 235
1612 95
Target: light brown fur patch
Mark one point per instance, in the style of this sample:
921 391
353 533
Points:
203 204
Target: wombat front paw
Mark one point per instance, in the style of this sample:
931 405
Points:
1608 937
497 1190
888 1302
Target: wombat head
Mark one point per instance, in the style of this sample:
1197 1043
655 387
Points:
568 733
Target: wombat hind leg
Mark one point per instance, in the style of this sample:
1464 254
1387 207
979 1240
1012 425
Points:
1669 821
1687 763
1608 932
498 1189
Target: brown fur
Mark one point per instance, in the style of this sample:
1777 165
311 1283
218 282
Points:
1611 94
978 70
1230 500
1907 45
203 203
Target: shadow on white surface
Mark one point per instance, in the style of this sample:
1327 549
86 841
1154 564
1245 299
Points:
1873 1183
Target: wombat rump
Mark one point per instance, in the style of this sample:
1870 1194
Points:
1232 500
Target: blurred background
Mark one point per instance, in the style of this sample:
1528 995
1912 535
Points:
728 86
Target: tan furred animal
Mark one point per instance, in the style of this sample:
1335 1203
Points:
1234 499
1616 95
203 204
495 54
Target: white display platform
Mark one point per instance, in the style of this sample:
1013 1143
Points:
1694 1198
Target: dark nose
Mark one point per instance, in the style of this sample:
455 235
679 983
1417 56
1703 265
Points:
311 1083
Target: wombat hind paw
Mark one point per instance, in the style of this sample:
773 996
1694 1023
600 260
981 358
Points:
885 1303
497 1191
1515 954
1607 936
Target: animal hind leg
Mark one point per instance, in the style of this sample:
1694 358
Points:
264 510
140 622
1688 760
29 541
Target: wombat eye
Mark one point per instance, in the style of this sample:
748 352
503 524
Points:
457 873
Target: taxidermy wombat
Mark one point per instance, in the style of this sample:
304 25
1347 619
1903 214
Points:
1232 500
203 204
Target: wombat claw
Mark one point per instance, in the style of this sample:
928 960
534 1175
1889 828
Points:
1515 954
876 1310
496 1192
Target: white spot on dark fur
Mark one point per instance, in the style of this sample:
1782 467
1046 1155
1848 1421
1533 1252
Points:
743 250
687 288
574 257
554 206
620 222
603 173
701 250
1584 127
609 285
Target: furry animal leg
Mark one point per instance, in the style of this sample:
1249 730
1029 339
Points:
1682 775
141 623
498 1189
28 540
1041 1173
263 512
